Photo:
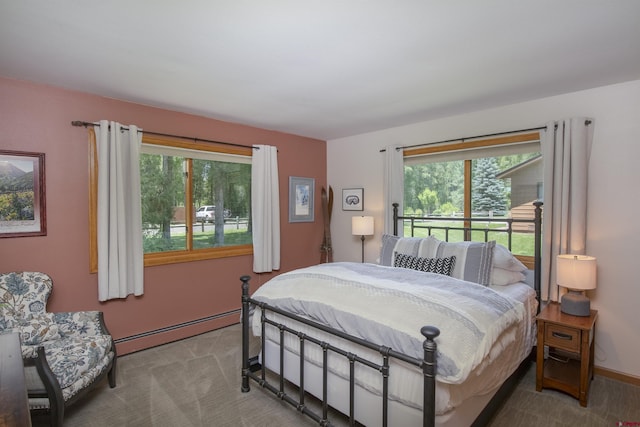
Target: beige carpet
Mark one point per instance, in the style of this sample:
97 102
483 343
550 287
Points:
196 382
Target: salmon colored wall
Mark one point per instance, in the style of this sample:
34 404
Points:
38 118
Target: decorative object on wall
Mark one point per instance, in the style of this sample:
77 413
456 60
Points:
301 194
22 194
576 273
362 226
326 250
353 199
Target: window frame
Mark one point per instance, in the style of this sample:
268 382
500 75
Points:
522 138
475 144
168 257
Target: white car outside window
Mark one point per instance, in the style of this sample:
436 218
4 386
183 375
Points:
207 213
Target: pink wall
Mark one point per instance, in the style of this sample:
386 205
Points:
38 118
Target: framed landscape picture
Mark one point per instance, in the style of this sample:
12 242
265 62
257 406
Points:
22 194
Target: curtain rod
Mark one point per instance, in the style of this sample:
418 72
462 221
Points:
586 122
80 123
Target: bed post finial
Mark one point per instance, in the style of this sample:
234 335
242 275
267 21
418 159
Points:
537 261
245 333
395 218
429 371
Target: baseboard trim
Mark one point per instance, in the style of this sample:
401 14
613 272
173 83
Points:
177 326
615 375
608 373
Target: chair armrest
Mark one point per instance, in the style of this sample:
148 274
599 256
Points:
76 323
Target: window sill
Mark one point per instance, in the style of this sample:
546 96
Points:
201 254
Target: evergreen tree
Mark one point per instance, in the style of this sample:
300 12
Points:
488 192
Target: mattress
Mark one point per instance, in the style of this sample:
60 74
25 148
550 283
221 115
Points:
406 381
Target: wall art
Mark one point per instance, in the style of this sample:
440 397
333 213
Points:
301 196
22 194
353 199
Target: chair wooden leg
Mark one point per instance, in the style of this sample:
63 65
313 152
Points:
56 415
112 373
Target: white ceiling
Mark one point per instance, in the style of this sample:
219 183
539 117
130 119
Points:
321 68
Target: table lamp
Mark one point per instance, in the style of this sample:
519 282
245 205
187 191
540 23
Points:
576 273
362 226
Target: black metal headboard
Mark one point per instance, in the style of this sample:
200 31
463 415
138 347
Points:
427 223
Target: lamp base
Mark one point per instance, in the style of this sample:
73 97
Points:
575 304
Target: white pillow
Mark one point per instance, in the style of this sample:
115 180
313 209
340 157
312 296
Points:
503 258
502 277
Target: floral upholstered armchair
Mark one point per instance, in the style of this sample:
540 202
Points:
64 354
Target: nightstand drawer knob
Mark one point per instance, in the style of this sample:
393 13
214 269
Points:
562 336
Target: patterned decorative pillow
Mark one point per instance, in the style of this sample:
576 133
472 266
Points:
432 265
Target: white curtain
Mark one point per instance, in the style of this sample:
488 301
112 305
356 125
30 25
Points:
120 253
265 209
393 186
566 148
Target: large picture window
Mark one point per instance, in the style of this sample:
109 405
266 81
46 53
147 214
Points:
497 178
196 201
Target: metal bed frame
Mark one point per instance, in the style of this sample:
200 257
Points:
253 370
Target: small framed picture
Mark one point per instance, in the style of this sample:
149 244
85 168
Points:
22 194
353 199
301 194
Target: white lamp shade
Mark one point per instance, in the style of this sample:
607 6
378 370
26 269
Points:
362 225
576 271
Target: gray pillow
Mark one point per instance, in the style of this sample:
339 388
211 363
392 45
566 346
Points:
392 244
474 260
386 251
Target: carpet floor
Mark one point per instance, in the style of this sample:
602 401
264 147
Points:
196 382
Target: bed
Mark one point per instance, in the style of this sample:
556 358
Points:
436 333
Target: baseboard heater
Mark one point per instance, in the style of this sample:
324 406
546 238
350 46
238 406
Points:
178 326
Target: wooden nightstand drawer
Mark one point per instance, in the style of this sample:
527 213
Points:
562 337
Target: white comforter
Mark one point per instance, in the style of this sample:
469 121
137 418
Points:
389 305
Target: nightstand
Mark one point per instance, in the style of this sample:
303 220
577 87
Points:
570 340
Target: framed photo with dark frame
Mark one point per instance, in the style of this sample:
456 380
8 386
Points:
22 194
353 199
301 196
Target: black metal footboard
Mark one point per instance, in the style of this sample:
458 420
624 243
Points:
428 364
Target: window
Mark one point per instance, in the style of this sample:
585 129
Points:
196 201
498 177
